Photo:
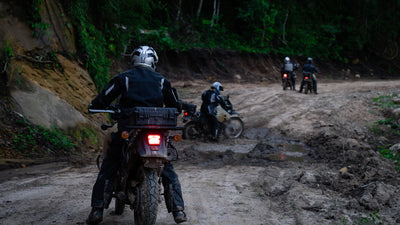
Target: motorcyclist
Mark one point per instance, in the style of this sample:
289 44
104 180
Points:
289 67
311 69
211 99
140 86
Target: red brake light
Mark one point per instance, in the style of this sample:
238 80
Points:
185 113
284 75
306 78
154 139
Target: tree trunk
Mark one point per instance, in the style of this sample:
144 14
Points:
284 25
199 9
214 13
178 14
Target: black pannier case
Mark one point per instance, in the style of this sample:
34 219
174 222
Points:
154 116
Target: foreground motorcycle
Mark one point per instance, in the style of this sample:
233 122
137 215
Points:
308 83
287 81
147 145
196 126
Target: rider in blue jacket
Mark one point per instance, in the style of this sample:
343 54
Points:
310 68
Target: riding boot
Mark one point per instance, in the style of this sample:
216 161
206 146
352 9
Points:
215 135
179 216
95 216
173 193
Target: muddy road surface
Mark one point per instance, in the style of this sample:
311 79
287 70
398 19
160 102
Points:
303 159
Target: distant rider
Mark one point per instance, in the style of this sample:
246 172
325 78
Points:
312 70
289 67
140 86
211 99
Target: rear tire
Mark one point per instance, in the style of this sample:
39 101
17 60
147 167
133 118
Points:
191 131
235 128
307 88
146 212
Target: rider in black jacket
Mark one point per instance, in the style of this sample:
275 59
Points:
140 86
211 99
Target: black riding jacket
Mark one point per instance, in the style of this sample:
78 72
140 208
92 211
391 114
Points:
139 86
211 99
309 68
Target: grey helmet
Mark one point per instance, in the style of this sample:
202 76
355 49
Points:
287 59
309 60
144 56
218 86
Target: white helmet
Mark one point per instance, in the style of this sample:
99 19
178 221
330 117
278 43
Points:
144 56
287 59
218 86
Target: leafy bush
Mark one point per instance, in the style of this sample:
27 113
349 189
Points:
32 140
386 152
389 126
93 43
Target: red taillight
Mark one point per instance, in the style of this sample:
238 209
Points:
285 75
154 139
185 113
306 78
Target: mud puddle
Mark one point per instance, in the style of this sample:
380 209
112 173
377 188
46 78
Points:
260 149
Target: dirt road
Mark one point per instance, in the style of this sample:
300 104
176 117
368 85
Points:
303 159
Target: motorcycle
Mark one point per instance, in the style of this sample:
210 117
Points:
196 126
287 81
308 83
147 145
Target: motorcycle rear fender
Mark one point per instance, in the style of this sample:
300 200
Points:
156 151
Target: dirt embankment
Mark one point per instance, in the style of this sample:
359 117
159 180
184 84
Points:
303 159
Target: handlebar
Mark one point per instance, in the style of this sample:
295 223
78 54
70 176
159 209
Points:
104 110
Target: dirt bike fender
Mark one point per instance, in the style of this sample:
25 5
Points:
147 150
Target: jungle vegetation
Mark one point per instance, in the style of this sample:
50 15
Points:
331 29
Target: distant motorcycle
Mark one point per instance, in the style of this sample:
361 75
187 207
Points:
147 145
196 126
287 81
308 83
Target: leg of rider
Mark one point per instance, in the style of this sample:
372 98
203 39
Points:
294 82
212 125
215 127
315 85
170 180
301 86
108 170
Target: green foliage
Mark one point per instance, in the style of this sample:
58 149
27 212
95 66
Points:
373 218
93 43
36 23
338 30
386 101
83 133
389 126
7 53
386 152
36 139
260 15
